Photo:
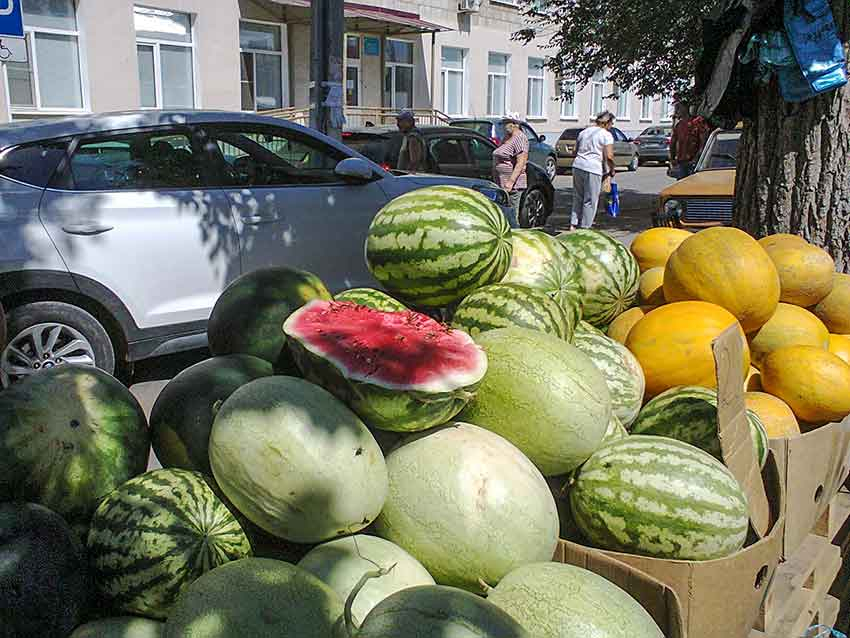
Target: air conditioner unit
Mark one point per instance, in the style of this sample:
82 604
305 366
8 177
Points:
469 6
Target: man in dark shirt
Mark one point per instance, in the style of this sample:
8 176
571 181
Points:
411 157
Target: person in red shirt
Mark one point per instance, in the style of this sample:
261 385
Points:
689 136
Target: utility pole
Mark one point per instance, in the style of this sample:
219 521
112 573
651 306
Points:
327 94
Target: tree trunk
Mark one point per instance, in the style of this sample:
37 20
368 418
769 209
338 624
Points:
794 166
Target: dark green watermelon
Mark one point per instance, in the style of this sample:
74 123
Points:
68 437
249 314
44 584
182 417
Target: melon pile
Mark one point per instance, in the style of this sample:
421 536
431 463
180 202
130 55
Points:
402 462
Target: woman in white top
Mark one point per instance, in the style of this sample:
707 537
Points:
594 161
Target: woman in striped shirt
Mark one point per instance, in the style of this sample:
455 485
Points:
510 160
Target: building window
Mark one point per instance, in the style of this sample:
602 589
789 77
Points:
568 99
667 107
454 81
536 84
646 108
166 61
498 83
623 98
51 76
398 74
352 70
597 94
261 53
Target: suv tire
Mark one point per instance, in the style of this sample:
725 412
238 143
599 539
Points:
66 324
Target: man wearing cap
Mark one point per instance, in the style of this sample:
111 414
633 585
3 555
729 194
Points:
510 161
411 157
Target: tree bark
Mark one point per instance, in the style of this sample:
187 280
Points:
794 166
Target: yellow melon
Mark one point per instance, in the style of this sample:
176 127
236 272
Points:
814 382
673 344
776 415
653 247
805 272
834 309
651 287
839 345
753 381
727 267
621 326
780 239
789 326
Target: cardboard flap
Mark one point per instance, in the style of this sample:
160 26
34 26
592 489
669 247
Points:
734 428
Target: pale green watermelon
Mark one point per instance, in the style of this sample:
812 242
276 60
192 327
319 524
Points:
609 271
120 627
372 298
543 395
655 496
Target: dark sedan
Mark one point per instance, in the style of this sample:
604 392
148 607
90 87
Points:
459 152
654 144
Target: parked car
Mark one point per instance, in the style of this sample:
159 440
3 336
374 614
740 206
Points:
653 144
118 232
493 128
457 151
625 152
707 197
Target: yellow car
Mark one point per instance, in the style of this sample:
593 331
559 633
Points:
707 197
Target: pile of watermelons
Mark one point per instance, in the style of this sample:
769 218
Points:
353 467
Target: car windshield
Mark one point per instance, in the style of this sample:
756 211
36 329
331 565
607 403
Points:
483 128
720 152
571 134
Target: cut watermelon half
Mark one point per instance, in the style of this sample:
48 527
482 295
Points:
400 371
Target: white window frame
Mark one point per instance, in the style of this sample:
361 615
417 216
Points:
284 61
621 94
157 62
37 109
506 107
353 62
646 99
572 117
536 78
393 65
594 86
444 73
667 108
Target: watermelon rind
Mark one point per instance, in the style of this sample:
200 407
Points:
435 245
659 497
511 305
609 271
615 430
157 533
371 298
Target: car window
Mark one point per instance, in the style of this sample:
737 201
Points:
32 164
135 161
721 152
619 136
571 134
482 154
650 131
449 152
529 133
484 128
264 156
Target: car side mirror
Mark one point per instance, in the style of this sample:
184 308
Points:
542 138
354 169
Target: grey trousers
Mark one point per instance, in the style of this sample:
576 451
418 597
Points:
586 189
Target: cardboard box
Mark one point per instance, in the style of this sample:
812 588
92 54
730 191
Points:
813 467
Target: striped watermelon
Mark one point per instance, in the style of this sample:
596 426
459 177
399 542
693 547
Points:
586 328
157 533
541 261
689 414
609 271
435 245
372 298
507 305
655 496
621 370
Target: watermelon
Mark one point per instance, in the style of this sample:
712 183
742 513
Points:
248 315
586 328
256 598
689 414
435 245
297 462
120 627
154 535
506 305
615 430
554 600
341 563
621 370
543 395
182 416
468 505
438 612
44 583
609 271
398 371
659 497
541 261
68 437
372 298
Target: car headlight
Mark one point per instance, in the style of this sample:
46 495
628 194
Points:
494 193
674 208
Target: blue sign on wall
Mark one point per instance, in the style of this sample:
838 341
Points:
11 19
371 46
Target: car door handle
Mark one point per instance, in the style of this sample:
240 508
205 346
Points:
87 228
255 220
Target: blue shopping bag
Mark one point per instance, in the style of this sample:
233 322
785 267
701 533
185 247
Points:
614 200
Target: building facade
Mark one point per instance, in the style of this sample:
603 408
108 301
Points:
436 56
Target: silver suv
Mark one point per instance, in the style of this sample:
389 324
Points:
118 232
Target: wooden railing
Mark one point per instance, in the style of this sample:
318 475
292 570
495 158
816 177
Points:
359 116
